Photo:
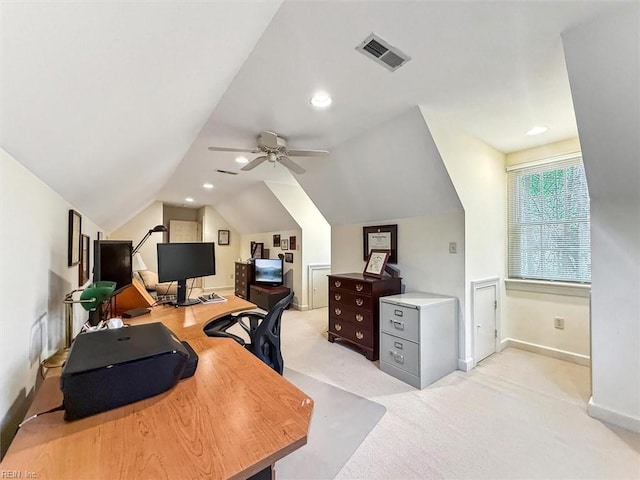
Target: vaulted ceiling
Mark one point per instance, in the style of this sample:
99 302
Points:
114 104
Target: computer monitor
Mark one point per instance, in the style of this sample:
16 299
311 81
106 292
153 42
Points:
179 261
268 271
112 262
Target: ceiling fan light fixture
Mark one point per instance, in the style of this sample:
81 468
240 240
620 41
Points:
241 159
321 100
537 130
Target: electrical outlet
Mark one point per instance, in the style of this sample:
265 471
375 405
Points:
453 247
558 322
231 275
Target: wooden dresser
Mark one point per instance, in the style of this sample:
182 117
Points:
244 279
353 309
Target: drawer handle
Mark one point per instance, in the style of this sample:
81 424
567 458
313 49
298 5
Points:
359 317
338 311
359 302
397 324
359 287
338 327
359 335
337 296
337 283
398 357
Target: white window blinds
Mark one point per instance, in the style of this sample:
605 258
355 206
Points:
548 222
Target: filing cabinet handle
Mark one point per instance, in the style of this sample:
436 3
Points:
359 287
398 357
359 335
359 317
397 324
359 302
338 311
337 296
337 283
337 326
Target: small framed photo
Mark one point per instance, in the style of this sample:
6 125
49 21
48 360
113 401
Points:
276 240
288 257
375 263
75 230
257 249
284 244
292 242
83 271
223 237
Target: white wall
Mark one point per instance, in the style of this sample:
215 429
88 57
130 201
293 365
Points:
423 254
135 230
477 173
528 316
226 255
315 241
34 278
292 271
603 61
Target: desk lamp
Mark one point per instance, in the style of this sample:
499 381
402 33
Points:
157 228
91 299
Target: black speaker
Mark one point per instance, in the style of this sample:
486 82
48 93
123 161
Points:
114 367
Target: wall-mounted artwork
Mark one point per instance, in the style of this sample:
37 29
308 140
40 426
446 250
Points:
223 237
75 230
276 240
288 257
292 242
284 244
380 237
83 270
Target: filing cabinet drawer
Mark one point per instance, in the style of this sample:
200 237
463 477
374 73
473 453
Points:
349 331
400 321
400 353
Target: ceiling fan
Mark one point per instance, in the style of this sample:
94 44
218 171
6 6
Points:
274 149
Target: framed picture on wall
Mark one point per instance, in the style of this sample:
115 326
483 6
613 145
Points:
75 229
380 237
288 257
256 249
276 240
223 237
83 270
292 242
284 244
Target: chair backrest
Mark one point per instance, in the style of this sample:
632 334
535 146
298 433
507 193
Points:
265 339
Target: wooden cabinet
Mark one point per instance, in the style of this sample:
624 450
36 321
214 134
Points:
418 337
244 279
353 309
266 297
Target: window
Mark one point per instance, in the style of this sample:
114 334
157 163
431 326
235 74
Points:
548 222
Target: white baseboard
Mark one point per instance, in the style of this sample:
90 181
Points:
547 351
615 418
299 307
465 364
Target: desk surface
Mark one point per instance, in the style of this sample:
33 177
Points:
232 419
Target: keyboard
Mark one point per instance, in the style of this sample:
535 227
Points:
211 298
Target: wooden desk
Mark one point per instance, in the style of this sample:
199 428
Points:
232 419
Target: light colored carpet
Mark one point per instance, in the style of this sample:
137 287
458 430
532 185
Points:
517 415
341 421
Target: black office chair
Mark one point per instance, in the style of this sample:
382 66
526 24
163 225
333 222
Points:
263 330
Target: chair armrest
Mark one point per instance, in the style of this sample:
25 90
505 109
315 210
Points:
254 319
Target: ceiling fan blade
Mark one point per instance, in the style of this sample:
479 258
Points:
254 163
291 165
307 153
225 149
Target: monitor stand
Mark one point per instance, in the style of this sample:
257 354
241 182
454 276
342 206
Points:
181 298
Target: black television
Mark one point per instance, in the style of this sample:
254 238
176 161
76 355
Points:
268 271
179 261
112 262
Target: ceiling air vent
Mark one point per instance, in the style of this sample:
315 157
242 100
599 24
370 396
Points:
227 172
383 53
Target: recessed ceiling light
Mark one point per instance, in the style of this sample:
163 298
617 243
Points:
188 199
321 100
537 130
242 159
208 185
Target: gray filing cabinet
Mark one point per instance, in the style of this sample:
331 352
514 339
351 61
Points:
418 337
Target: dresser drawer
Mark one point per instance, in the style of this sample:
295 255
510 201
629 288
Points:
400 353
357 300
352 332
350 284
357 316
400 320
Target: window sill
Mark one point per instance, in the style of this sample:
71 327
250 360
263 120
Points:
555 288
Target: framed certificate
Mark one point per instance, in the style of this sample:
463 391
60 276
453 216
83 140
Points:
223 237
375 263
380 237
